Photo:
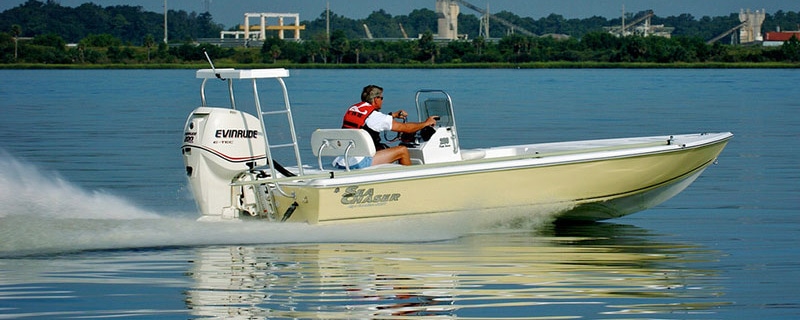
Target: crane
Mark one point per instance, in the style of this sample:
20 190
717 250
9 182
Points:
405 35
496 18
366 29
621 30
724 34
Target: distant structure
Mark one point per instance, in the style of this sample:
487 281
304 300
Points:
751 26
259 32
447 14
640 26
777 38
483 29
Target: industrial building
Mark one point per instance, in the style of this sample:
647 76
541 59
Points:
749 28
447 11
640 26
259 32
777 38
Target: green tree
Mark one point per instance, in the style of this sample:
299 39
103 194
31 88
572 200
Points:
275 52
479 43
271 49
274 48
51 40
457 51
790 50
382 25
632 49
419 21
600 41
399 51
162 53
100 40
128 23
312 48
149 42
427 47
339 45
90 55
119 54
189 51
47 48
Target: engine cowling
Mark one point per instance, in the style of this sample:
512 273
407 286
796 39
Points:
219 144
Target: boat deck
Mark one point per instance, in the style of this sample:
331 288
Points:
540 154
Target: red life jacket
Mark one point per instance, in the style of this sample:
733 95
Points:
356 116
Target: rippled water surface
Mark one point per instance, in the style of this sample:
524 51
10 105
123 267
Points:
96 220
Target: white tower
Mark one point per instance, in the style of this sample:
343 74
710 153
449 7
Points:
447 12
751 31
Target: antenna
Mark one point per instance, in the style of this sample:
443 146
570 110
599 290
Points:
212 65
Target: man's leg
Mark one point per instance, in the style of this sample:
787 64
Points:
398 153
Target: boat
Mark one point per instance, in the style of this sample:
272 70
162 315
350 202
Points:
229 163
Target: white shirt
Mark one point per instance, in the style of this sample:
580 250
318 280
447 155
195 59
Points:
379 121
376 121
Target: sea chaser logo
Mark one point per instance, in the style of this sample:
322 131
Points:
355 196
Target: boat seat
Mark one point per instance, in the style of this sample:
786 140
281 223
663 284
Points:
341 142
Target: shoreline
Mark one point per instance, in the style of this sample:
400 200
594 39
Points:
529 65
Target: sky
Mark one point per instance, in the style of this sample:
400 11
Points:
231 12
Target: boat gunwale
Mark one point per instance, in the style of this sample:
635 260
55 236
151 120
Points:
331 178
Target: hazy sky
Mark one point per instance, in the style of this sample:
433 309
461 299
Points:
230 12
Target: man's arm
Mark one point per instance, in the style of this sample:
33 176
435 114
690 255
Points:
411 127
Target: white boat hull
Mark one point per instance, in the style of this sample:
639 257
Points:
229 164
590 185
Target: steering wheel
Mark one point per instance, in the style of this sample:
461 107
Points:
414 138
397 137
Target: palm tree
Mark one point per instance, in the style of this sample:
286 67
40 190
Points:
427 47
16 30
149 42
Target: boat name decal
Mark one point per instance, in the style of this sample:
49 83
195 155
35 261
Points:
355 196
236 133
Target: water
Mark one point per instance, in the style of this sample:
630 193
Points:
96 220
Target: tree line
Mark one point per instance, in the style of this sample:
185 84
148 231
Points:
130 24
127 34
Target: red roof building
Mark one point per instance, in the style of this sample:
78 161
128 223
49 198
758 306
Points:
782 36
775 39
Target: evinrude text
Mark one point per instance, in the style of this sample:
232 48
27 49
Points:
236 133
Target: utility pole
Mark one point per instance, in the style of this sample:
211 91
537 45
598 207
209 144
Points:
165 23
622 33
16 30
328 21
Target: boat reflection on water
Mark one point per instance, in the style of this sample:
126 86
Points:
597 269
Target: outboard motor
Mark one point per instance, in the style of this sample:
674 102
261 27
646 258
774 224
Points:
221 146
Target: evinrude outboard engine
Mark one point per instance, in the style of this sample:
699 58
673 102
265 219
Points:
221 146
